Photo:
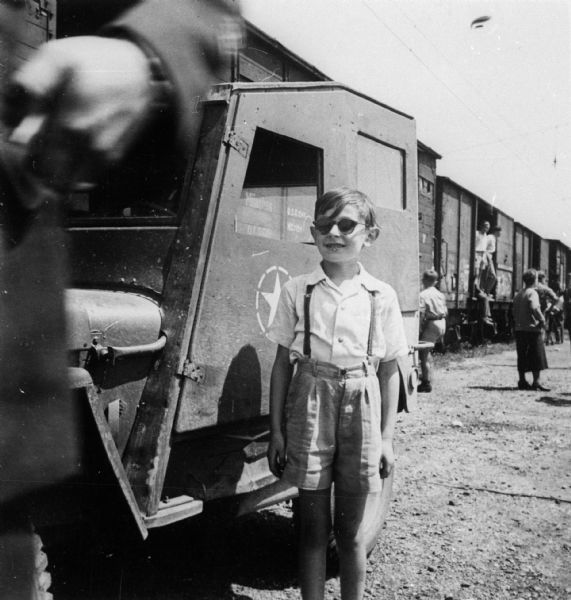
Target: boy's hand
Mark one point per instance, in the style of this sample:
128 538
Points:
387 459
276 454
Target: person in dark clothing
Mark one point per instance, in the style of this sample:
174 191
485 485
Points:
103 90
529 322
75 109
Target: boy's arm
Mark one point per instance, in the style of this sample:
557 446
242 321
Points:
389 383
279 384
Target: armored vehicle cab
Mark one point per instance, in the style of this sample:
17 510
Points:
174 286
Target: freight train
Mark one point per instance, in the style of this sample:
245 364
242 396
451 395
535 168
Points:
449 215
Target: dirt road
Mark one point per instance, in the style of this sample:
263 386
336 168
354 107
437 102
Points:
481 510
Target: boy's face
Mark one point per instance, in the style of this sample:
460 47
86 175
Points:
335 246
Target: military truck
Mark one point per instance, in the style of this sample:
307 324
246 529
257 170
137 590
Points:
176 267
173 293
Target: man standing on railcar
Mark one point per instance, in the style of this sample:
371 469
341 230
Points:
481 249
529 322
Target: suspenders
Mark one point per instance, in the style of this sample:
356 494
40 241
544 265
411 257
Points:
306 327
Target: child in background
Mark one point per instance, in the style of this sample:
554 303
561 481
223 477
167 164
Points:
433 313
339 332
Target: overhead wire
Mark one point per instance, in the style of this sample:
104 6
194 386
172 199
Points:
529 166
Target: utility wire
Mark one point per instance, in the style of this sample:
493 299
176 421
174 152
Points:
519 135
520 158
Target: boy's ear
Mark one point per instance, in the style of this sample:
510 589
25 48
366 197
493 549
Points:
312 229
372 235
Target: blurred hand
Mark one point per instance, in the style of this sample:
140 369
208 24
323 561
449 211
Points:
77 106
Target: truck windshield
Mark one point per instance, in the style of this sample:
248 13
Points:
280 189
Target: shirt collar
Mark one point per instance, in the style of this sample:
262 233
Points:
363 277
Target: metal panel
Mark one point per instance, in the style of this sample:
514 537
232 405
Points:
426 212
505 258
466 227
245 272
518 258
449 244
544 256
526 250
121 257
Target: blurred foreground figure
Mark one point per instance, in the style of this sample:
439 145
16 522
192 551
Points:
74 109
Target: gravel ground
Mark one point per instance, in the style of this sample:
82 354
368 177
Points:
481 508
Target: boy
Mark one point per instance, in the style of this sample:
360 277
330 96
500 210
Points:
433 313
334 422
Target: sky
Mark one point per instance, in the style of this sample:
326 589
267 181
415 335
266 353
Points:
494 101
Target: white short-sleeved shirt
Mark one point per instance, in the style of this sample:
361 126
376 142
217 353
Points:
433 302
339 319
481 241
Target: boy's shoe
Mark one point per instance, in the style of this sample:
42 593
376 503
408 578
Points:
523 385
539 388
424 387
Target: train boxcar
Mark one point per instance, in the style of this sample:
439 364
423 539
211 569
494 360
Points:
455 222
457 215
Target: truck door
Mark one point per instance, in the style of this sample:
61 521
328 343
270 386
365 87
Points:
284 147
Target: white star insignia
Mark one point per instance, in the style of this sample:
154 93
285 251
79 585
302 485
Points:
272 299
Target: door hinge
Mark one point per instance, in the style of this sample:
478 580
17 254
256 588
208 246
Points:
233 140
192 371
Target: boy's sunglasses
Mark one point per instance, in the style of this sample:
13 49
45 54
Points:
345 226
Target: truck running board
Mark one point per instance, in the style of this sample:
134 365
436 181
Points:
173 510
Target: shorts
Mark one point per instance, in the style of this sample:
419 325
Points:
432 331
530 351
333 428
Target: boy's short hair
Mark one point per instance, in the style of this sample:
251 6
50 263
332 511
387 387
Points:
530 276
338 198
430 276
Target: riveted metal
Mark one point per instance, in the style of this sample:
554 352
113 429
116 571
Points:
193 372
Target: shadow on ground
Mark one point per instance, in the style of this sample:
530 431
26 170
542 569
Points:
492 388
204 559
555 401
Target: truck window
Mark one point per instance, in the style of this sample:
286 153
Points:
280 188
380 172
145 187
